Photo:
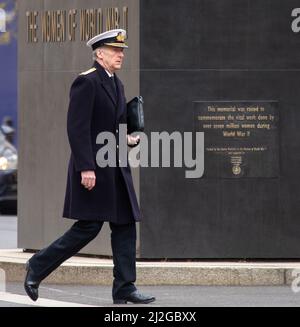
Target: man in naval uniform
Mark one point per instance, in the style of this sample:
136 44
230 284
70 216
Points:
94 194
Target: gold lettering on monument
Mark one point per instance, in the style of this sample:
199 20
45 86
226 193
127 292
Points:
62 25
125 19
112 18
54 26
32 26
72 24
91 23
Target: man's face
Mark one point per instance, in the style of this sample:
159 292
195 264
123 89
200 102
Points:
111 57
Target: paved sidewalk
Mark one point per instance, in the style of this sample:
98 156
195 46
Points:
96 271
166 296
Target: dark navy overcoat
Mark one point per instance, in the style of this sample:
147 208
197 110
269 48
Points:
95 107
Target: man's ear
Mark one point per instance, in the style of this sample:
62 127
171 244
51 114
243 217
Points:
99 53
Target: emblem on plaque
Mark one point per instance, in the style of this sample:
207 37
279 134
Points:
236 162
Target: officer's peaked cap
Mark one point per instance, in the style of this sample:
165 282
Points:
113 38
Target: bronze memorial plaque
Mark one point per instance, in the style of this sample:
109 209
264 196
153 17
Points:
241 138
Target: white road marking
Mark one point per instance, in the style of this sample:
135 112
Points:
24 299
74 294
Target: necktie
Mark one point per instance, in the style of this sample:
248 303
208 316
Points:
113 82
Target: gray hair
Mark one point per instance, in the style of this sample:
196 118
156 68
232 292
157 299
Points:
95 57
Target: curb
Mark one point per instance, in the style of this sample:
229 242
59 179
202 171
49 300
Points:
163 274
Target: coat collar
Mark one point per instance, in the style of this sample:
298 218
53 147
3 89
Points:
106 83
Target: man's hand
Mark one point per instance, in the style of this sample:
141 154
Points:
133 140
88 179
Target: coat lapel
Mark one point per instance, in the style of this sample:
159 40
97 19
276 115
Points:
120 98
106 83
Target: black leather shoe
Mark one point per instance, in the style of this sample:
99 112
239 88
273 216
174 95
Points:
135 297
31 284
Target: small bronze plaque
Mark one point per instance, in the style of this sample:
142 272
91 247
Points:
241 138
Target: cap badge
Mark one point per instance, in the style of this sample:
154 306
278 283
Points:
120 37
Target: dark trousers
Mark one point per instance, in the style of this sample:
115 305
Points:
123 242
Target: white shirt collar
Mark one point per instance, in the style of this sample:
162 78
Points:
109 74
